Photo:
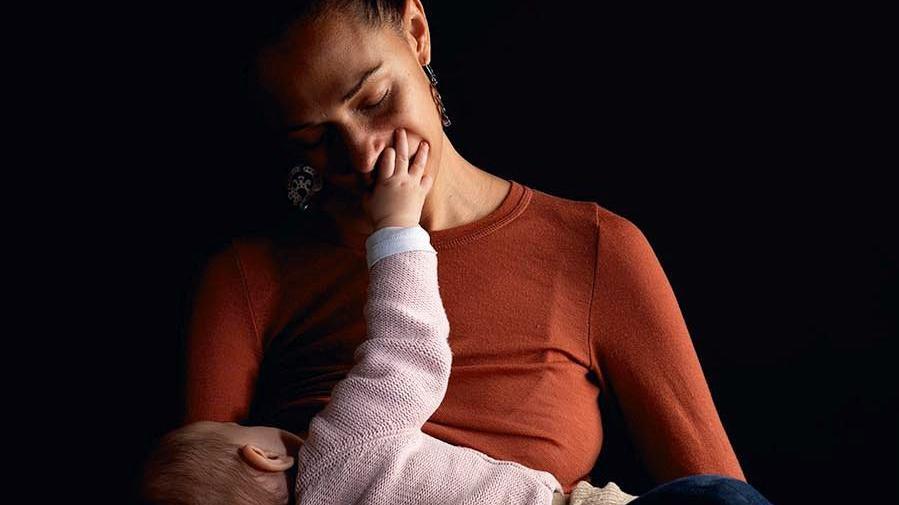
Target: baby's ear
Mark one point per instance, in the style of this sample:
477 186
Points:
267 461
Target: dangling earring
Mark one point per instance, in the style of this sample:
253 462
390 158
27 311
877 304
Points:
433 78
303 182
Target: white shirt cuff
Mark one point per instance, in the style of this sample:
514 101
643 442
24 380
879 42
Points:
395 239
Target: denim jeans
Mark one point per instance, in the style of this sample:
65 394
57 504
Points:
702 489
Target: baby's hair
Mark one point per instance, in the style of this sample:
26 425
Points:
193 467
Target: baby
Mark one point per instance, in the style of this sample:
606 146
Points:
366 446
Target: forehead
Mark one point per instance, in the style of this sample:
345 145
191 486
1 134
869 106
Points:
313 64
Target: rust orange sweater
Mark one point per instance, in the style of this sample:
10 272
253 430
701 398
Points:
552 302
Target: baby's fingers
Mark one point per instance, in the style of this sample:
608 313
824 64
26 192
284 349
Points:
421 159
386 164
401 146
427 182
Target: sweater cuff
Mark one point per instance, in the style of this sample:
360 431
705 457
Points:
396 239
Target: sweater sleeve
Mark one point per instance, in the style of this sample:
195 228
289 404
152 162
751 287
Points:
642 351
366 446
223 347
401 370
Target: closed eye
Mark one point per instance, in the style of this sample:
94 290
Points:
373 106
380 102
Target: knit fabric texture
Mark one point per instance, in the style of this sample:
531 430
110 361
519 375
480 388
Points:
366 446
585 493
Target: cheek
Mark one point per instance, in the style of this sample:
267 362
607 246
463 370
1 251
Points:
418 115
411 109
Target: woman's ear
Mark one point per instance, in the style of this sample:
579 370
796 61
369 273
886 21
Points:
267 461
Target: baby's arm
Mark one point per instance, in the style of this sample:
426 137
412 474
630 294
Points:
401 370
366 446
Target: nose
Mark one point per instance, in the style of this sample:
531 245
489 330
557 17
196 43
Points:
363 148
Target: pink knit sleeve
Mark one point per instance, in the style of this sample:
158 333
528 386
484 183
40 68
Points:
366 446
401 371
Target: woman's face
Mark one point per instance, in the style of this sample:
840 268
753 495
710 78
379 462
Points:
313 67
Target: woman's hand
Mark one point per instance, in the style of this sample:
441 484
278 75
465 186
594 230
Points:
399 189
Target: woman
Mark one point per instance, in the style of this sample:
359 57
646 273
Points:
553 302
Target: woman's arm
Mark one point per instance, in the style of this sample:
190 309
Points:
223 344
642 351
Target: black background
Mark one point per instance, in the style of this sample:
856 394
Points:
751 143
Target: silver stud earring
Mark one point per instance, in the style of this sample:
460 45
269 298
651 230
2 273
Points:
303 182
433 78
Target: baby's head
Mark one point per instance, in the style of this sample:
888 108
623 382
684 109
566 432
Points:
210 462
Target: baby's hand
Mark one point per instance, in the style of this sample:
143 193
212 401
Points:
400 188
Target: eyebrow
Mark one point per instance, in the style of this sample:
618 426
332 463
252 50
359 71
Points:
363 78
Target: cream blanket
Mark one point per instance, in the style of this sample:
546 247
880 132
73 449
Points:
583 493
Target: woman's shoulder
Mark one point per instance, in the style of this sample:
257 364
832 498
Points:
601 219
262 249
241 265
295 243
612 240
